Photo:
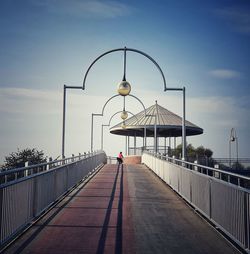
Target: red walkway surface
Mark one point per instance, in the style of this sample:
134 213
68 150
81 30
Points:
94 219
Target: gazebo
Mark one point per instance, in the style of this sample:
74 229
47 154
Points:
156 121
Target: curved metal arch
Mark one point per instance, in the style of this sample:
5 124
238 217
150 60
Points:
108 102
121 112
126 49
104 106
111 120
140 102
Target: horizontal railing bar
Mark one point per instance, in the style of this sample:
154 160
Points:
16 170
24 178
200 166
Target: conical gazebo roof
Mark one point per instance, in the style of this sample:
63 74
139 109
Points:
167 124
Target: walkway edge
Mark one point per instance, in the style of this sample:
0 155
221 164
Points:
80 184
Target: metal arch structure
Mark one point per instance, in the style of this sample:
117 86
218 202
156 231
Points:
84 81
110 123
112 97
103 108
118 113
65 87
125 50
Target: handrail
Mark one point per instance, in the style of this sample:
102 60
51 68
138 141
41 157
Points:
44 166
185 163
221 201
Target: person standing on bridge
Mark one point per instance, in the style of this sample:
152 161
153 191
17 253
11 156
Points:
120 158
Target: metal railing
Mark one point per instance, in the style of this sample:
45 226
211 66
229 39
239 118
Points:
17 173
233 178
212 192
24 199
111 160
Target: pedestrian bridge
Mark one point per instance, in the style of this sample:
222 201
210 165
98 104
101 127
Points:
84 205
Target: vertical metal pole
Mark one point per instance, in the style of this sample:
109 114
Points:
229 153
165 145
124 66
63 127
174 142
184 126
144 138
237 152
92 116
155 136
128 145
135 144
124 103
102 138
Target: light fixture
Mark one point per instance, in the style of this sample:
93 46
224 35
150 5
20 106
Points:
124 88
123 125
124 115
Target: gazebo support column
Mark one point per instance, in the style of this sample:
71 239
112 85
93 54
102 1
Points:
165 145
169 146
135 144
126 145
155 138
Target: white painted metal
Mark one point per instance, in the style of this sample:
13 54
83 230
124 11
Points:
225 204
23 200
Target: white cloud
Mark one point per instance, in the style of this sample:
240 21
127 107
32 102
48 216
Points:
31 117
86 8
225 74
25 101
237 17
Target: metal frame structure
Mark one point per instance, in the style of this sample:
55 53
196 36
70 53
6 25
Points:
110 123
65 87
184 140
101 114
125 49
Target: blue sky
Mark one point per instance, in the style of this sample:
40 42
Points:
203 45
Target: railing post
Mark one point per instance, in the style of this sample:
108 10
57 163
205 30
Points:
35 198
174 159
195 167
1 217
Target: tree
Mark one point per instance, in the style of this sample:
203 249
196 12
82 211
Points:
177 151
208 152
190 151
200 151
18 159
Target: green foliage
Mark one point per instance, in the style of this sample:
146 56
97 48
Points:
208 153
177 151
200 151
191 152
18 159
194 153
